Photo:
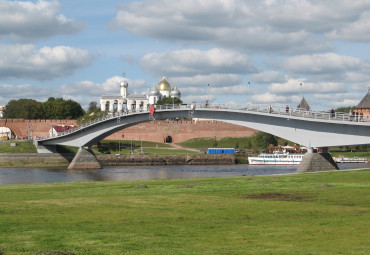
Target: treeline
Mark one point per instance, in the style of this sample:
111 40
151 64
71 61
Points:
53 108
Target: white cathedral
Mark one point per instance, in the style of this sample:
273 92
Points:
137 102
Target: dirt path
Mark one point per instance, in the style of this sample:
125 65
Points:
179 147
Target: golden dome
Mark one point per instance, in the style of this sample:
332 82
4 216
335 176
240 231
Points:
164 85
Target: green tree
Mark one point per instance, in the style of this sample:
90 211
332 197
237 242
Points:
23 109
93 107
248 144
53 108
58 108
263 140
169 100
344 109
93 112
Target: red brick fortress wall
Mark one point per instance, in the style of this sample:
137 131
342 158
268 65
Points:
20 127
157 131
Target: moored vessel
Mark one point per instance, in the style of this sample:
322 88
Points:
276 158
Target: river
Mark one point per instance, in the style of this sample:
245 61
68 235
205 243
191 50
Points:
120 173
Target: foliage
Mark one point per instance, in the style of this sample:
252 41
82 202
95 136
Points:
91 116
58 108
169 100
93 107
263 140
53 108
259 141
291 214
344 109
23 109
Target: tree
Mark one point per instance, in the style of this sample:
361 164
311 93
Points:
169 100
263 140
344 109
22 109
93 107
53 108
93 112
58 108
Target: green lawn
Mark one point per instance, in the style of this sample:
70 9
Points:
319 213
21 147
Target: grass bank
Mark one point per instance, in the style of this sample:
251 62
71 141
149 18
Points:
20 147
319 213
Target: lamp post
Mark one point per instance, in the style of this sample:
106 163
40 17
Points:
119 145
131 147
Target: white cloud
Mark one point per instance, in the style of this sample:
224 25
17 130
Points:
267 77
207 81
27 21
318 64
193 62
268 98
287 26
24 61
293 86
358 31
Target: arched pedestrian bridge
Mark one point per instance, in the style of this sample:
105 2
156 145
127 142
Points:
311 129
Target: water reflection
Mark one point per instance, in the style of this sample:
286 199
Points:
118 173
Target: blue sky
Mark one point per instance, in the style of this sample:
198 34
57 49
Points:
250 51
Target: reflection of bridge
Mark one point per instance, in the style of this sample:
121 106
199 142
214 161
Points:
311 129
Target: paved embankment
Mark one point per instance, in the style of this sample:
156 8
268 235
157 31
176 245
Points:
116 160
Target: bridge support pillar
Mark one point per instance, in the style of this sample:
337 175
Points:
85 159
314 162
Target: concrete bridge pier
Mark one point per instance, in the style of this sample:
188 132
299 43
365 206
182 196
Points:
85 159
314 162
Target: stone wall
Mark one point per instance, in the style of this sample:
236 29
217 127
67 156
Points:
147 160
21 127
155 131
35 158
122 160
179 131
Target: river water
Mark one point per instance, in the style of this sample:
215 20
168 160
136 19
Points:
119 173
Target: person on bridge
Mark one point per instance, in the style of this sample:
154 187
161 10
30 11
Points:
332 112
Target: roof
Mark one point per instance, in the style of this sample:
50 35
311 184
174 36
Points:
303 104
365 102
137 97
116 96
62 128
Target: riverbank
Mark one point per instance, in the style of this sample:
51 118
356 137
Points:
295 214
58 159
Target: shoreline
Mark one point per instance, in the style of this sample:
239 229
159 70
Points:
30 160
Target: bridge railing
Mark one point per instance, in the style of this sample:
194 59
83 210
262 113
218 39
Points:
274 110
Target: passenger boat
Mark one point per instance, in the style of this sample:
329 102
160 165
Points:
276 158
351 160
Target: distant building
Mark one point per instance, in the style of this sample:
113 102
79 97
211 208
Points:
363 108
56 130
4 131
2 107
137 102
303 105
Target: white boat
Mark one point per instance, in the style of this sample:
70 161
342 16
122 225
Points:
276 158
351 160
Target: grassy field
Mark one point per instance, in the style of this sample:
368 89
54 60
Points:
319 213
21 147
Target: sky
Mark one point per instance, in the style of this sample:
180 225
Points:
225 51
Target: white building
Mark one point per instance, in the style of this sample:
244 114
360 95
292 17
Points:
137 102
1 110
